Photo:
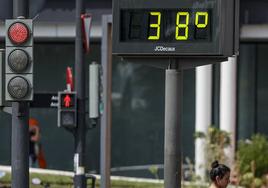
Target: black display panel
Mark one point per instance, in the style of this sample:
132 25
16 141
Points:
165 25
174 27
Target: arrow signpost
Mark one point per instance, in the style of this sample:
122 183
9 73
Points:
86 26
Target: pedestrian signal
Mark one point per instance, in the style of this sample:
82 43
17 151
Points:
67 109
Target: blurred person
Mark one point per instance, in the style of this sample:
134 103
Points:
234 177
219 175
36 153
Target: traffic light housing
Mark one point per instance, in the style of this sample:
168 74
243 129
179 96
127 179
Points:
67 109
19 60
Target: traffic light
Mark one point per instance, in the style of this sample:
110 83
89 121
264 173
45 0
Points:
19 60
67 109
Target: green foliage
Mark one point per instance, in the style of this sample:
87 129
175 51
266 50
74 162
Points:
199 135
57 181
255 151
249 180
252 160
154 170
216 141
192 177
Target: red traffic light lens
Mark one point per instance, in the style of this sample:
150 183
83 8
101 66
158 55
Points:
18 33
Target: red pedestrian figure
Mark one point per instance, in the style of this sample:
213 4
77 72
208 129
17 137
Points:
67 101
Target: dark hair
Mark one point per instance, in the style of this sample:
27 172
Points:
218 170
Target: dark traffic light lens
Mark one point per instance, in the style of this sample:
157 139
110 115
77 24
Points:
68 118
18 87
18 60
18 33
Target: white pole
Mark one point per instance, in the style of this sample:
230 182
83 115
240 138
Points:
228 104
203 115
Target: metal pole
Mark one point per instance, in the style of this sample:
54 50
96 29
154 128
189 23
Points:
20 145
20 118
173 118
106 118
80 131
20 8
